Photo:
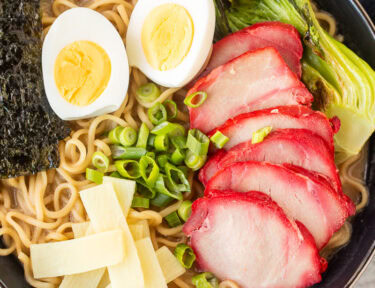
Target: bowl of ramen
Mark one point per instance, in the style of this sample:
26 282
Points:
177 143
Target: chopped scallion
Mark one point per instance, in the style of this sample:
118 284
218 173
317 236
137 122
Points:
184 210
172 129
128 137
177 181
219 139
161 200
157 114
151 140
185 255
143 136
127 153
160 187
94 176
162 160
173 220
128 169
114 135
171 107
100 161
197 142
196 99
179 142
148 93
178 156
140 202
258 136
205 280
161 143
151 155
149 170
115 175
144 190
193 161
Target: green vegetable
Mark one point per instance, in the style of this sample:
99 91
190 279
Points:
205 280
168 128
177 180
194 161
161 200
185 255
197 142
258 136
140 202
162 160
178 156
151 155
157 114
114 135
115 175
94 176
128 137
219 139
173 220
161 143
143 136
149 170
128 169
132 153
148 93
100 161
145 190
179 142
184 210
171 107
342 83
196 99
161 188
151 140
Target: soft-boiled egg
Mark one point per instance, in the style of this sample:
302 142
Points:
85 66
170 40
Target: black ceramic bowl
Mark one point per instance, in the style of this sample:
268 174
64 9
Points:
347 265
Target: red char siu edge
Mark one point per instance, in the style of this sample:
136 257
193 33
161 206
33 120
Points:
253 81
241 128
299 147
303 195
246 237
284 37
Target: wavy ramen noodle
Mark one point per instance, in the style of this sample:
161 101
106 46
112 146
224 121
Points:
41 208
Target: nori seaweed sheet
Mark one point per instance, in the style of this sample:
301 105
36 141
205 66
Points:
29 130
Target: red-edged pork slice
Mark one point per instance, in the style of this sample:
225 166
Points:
247 238
241 128
284 37
306 198
256 80
299 147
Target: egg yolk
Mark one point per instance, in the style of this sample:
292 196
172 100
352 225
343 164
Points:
167 35
82 72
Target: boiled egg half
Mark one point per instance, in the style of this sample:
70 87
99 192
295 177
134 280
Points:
170 40
85 66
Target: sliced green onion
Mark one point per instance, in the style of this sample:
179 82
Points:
205 280
145 190
173 220
177 181
258 136
140 202
127 153
219 139
100 161
162 160
179 142
193 161
196 99
157 114
197 142
94 176
128 137
148 93
151 140
160 187
178 156
171 107
128 169
185 255
149 170
151 155
143 136
161 143
172 129
184 210
114 135
161 200
184 170
115 175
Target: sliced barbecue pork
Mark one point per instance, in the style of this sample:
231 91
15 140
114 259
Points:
303 195
254 81
241 128
247 238
284 37
299 147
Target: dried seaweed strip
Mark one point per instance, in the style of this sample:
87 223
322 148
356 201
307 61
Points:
29 131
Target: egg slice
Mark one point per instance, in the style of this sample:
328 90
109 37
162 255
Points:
85 66
170 40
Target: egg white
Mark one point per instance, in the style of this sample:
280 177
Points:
85 24
203 17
